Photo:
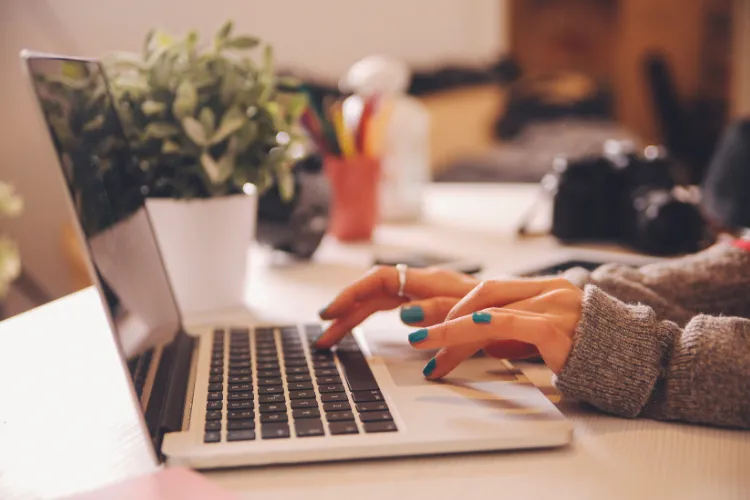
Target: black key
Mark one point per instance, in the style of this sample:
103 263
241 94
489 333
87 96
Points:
214 405
326 372
215 396
236 358
337 406
213 415
344 427
217 355
328 380
304 403
264 330
241 415
215 387
218 333
273 417
240 396
271 389
266 353
309 428
239 330
240 387
300 386
299 377
239 354
215 379
269 344
246 435
269 381
306 413
212 437
269 373
273 407
295 362
380 427
239 405
324 364
233 372
267 359
238 364
322 356
275 430
239 425
374 406
376 416
302 395
268 366
333 396
217 371
366 396
217 363
293 370
293 354
339 415
271 398
357 372
213 425
330 388
240 379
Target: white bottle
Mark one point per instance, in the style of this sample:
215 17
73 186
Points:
405 162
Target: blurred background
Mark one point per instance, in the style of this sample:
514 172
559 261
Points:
507 84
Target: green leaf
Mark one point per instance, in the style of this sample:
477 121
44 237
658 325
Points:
170 147
191 40
163 39
160 130
194 130
73 70
151 108
246 136
230 123
217 172
208 120
242 42
185 101
296 106
225 30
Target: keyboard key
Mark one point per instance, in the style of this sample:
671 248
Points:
275 430
217 355
271 389
324 364
218 333
294 355
239 330
295 362
239 364
234 372
271 398
215 379
239 425
240 379
335 416
212 437
273 417
376 416
246 435
268 366
330 388
366 396
306 412
214 405
238 358
374 406
271 353
326 372
269 381
322 356
217 371
236 354
215 396
337 406
269 373
293 370
264 330
333 396
213 415
300 386
309 428
344 427
239 405
379 427
302 395
240 396
273 407
328 380
217 363
240 387
358 375
299 377
241 415
213 425
304 403
267 359
215 387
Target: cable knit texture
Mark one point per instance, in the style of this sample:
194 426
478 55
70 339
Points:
669 340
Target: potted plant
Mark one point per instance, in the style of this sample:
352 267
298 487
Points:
10 262
211 131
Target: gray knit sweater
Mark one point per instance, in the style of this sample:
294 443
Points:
668 341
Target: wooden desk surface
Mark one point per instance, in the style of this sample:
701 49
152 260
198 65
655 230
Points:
66 424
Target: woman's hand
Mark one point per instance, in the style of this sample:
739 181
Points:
509 319
431 292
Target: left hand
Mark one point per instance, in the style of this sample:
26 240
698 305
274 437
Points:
508 319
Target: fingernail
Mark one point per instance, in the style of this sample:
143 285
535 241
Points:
429 367
481 317
418 336
412 314
322 312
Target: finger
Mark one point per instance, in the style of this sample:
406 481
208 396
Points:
344 324
427 312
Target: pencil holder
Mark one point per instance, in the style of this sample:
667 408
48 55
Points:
354 190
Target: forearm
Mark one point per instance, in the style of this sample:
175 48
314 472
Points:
628 362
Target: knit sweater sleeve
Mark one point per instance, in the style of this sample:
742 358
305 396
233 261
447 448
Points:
627 361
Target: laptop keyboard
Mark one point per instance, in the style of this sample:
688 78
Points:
270 383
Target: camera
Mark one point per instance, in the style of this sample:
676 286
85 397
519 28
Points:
632 198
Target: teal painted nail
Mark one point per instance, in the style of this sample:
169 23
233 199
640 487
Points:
322 312
418 336
429 367
413 314
481 317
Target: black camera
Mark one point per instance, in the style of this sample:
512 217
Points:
626 197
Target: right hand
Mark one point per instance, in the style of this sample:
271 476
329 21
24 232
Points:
431 293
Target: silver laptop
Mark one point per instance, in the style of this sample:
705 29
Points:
256 394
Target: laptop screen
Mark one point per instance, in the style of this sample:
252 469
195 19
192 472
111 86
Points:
105 184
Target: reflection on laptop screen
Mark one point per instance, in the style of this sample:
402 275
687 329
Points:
105 185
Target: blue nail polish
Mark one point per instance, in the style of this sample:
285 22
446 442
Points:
322 312
418 336
412 314
429 367
481 317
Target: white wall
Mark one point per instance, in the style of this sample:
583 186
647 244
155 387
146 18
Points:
323 36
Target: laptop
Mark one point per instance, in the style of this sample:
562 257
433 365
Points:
255 394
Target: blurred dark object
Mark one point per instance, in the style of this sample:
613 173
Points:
297 226
691 130
726 188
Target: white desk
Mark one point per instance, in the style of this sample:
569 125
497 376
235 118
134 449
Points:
62 431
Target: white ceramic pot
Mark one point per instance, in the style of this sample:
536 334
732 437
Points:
205 244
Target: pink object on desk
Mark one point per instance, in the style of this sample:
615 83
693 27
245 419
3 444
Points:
167 484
